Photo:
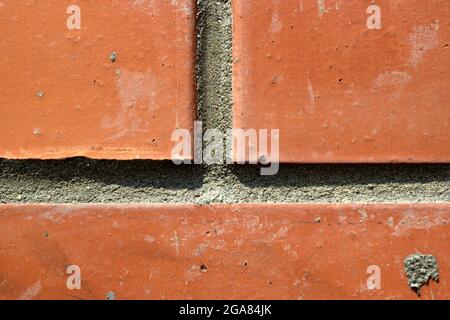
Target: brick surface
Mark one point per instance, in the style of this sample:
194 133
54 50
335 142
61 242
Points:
341 84
219 251
114 85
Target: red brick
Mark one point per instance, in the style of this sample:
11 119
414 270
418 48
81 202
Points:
116 88
338 91
247 251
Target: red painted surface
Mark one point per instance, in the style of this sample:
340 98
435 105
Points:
339 91
219 251
63 94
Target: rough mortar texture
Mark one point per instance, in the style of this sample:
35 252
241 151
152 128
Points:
81 180
420 268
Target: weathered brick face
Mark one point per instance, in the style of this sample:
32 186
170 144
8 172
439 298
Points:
109 79
220 251
345 81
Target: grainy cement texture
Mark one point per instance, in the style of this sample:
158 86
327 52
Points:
86 181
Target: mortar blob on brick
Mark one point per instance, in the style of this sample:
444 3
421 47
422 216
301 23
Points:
420 269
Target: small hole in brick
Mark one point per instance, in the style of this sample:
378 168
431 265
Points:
111 295
203 268
113 57
37 131
263 159
40 94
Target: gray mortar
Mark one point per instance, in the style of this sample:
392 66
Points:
81 180
420 269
